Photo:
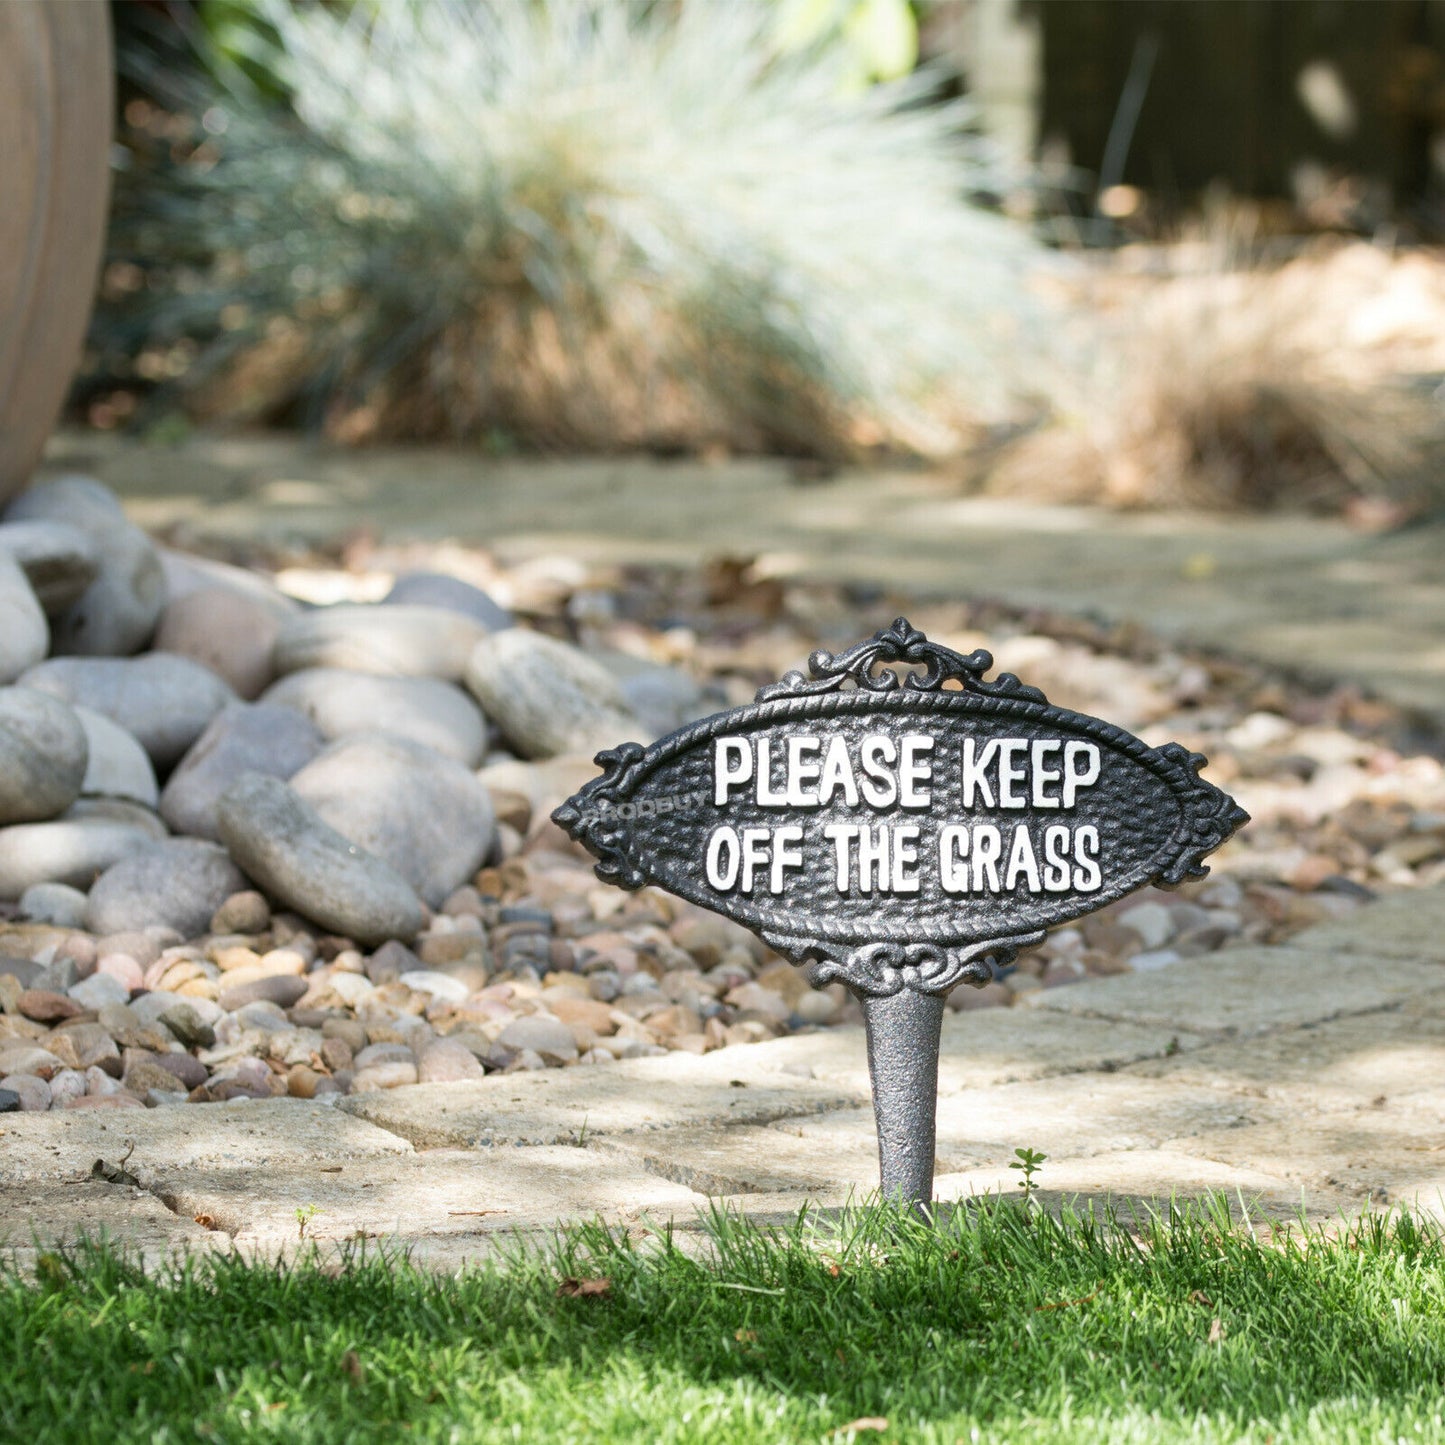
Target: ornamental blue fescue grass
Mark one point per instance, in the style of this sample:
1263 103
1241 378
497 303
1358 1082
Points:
586 222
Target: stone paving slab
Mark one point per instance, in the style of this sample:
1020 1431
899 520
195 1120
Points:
978 1049
1408 925
1250 991
1364 1156
1080 1115
35 1216
254 1136
1305 594
1293 1077
1139 1179
567 1106
1325 1066
446 1196
746 1159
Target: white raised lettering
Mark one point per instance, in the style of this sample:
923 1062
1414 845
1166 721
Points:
786 854
1056 859
905 857
912 771
842 835
974 769
1042 775
766 797
952 850
1076 778
722 859
801 772
1021 860
880 787
838 773
1087 878
987 848
1009 775
872 859
755 853
727 776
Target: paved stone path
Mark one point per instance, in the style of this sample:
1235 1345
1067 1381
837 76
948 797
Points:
1307 1076
1301 1076
1309 596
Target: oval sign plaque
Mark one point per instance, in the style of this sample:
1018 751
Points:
897 831
900 832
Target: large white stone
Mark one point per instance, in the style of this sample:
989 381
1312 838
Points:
76 847
59 560
117 612
395 641
425 709
42 755
162 700
24 632
548 697
118 767
424 814
283 844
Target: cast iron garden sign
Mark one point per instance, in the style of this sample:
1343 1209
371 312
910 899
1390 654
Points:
900 832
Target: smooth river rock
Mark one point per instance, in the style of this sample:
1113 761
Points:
242 738
661 698
58 560
55 903
76 847
178 884
548 697
395 641
427 710
118 767
223 629
24 632
43 755
438 589
424 814
163 701
117 612
299 860
186 573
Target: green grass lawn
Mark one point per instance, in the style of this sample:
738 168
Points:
1003 1324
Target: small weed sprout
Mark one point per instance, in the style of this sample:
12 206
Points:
304 1215
1027 1163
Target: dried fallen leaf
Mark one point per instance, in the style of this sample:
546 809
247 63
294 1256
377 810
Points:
351 1363
1216 1331
584 1288
1198 1297
868 1422
745 1337
207 1221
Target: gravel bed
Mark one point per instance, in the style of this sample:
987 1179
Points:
302 846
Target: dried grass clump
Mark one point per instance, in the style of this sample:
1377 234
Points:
1310 385
586 223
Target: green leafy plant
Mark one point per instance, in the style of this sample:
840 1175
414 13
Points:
304 1215
586 223
1027 1163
